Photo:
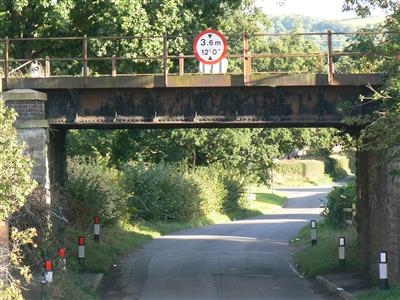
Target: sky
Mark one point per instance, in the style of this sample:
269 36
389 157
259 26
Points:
324 9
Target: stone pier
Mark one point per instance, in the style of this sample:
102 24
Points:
378 213
44 145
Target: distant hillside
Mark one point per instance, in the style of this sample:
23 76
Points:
363 23
300 23
307 24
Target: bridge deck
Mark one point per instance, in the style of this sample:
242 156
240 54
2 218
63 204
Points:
193 81
267 100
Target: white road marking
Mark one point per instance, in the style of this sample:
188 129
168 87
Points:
295 271
207 237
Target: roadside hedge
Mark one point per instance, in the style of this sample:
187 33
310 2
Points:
95 189
161 193
339 198
212 191
236 193
151 192
340 166
296 169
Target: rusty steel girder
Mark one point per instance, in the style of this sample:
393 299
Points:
205 107
272 100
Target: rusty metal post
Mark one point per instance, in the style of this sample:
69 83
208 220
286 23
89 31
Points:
165 59
6 59
85 57
246 60
181 64
113 66
331 68
47 67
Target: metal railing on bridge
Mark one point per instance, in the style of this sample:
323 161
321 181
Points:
98 56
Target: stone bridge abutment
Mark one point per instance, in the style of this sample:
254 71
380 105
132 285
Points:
46 146
378 213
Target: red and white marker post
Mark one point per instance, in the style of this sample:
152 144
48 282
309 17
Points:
81 250
96 228
48 274
210 47
62 259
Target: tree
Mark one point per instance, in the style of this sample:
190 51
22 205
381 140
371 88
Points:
381 134
15 185
15 167
44 18
363 8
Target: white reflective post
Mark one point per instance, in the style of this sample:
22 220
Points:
313 225
383 277
342 253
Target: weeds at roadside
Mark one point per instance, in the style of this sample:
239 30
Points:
323 257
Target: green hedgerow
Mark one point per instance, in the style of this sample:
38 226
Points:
95 189
161 193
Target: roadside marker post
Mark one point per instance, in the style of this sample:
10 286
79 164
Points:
313 225
81 250
48 274
342 253
96 229
62 259
383 277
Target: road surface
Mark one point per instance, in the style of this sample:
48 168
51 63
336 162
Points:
248 259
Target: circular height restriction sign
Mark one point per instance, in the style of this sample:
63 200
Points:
210 47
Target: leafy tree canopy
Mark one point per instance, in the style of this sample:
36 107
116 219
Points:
15 167
364 7
382 135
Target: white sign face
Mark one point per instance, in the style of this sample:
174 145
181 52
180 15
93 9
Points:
218 68
210 47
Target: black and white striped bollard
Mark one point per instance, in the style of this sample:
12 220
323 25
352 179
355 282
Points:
383 277
81 250
313 224
342 253
96 228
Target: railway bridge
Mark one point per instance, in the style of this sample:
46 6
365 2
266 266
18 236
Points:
50 103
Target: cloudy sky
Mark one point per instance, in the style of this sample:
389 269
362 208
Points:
326 9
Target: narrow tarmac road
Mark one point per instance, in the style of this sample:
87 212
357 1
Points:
248 259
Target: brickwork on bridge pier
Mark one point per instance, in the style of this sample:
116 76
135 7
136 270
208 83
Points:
378 213
28 110
46 147
32 129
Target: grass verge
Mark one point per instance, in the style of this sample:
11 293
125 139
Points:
392 294
323 257
304 182
266 202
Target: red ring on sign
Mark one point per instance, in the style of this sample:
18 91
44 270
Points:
207 62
